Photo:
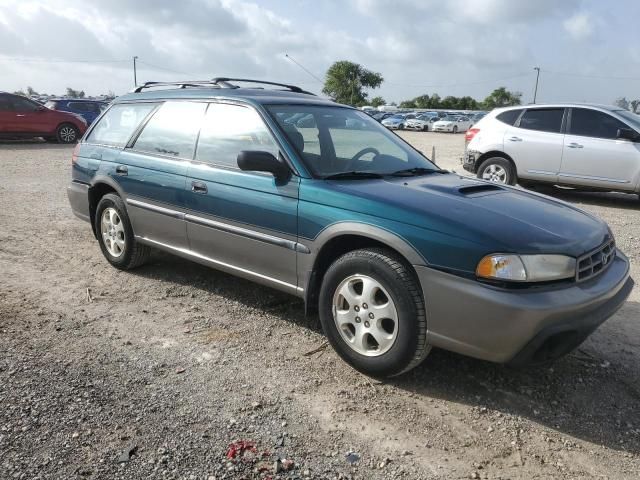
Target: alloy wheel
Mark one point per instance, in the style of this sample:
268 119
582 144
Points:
112 232
365 315
495 173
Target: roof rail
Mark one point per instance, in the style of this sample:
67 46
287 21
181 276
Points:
226 83
218 82
191 83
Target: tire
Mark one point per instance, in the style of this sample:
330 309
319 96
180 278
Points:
497 169
455 129
425 128
401 126
403 343
132 253
67 133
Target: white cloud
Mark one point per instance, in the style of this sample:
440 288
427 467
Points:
579 26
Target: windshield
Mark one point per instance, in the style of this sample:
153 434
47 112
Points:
449 118
334 140
632 118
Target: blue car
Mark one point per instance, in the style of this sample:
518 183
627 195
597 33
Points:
87 109
395 255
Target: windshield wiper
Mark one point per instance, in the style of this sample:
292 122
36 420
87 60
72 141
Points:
415 171
354 174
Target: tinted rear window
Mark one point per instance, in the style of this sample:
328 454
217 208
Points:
172 130
509 117
117 125
543 119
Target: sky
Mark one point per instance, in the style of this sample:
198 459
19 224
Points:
587 50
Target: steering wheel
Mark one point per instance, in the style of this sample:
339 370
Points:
356 157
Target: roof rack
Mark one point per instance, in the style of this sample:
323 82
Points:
219 82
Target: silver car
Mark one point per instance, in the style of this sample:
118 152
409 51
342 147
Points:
575 145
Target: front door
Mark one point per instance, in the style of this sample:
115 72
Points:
243 221
594 155
535 143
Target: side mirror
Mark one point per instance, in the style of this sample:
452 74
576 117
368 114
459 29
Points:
258 161
628 134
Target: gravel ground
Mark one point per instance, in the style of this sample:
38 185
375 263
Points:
154 373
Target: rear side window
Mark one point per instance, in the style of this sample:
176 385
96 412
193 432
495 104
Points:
80 106
172 130
5 104
543 119
229 129
119 123
509 117
592 123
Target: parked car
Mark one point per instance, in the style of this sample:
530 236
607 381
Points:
381 116
395 122
475 118
394 253
421 122
574 145
87 109
21 117
452 123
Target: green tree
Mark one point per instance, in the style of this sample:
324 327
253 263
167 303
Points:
622 102
634 104
377 102
501 97
31 91
408 104
346 82
71 93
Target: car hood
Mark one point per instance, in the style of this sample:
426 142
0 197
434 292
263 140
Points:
442 123
501 218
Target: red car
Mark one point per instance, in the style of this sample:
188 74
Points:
24 118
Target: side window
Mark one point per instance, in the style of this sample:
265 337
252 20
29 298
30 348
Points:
592 123
543 119
117 125
172 130
509 117
79 106
229 129
23 105
5 104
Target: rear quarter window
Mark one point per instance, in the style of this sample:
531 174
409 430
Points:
543 119
509 117
118 124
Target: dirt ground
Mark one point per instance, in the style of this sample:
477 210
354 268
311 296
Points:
155 372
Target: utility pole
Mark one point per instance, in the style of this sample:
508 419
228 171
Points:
535 92
135 74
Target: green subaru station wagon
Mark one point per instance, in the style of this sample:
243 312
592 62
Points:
271 183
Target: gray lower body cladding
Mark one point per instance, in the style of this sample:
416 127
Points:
512 326
78 194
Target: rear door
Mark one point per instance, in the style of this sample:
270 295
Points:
594 156
241 220
152 171
7 115
535 143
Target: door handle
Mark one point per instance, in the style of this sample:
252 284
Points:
515 139
20 115
575 145
122 170
198 187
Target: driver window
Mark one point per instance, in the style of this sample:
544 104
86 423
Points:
23 105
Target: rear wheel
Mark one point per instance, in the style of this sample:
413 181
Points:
425 128
67 133
497 169
455 129
115 234
373 314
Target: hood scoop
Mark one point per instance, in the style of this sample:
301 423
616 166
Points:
480 189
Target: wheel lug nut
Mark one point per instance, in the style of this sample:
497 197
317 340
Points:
366 323
358 320
365 306
371 315
356 308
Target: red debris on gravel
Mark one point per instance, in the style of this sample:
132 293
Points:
238 449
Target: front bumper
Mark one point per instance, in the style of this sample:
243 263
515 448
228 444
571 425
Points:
519 326
78 194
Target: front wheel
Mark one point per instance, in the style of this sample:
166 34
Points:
373 314
497 169
67 133
115 234
425 128
455 129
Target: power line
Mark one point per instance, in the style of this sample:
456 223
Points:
158 67
584 75
54 60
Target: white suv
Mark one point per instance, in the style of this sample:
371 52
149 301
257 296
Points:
583 146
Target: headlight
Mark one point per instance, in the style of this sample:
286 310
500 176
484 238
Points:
526 268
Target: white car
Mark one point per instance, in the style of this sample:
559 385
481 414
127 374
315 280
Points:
581 146
453 124
421 122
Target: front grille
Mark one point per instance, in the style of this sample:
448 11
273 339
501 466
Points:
596 262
